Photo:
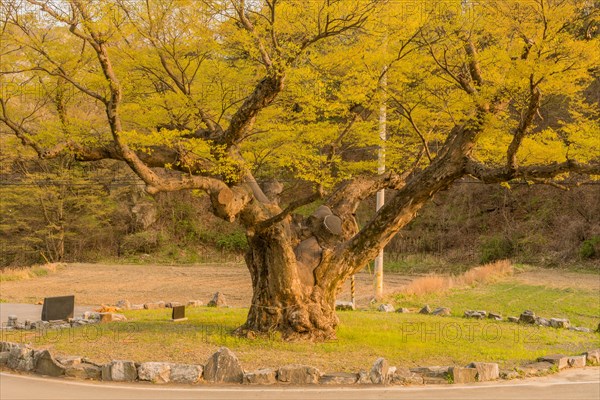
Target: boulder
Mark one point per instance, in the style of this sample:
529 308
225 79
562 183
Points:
136 307
265 376
218 300
151 306
4 355
20 358
223 366
112 317
344 305
8 346
527 317
559 360
537 368
155 372
486 371
195 303
296 374
513 319
363 377
559 323
12 321
580 329
84 371
47 365
91 315
432 372
379 371
403 310
69 361
509 374
425 310
542 321
404 376
495 316
577 361
119 371
385 308
173 304
123 304
186 373
339 378
474 314
441 311
593 357
463 375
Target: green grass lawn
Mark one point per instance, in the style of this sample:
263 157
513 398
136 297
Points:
581 307
404 339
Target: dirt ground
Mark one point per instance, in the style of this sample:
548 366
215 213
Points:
94 284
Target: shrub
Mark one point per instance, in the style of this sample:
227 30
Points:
590 248
140 242
496 248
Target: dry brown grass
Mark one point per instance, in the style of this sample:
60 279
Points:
483 274
18 274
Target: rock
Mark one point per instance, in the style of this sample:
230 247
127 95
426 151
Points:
536 368
186 373
112 317
136 307
223 366
441 311
509 374
559 323
195 303
513 319
84 371
218 300
69 361
4 355
593 357
474 314
119 371
21 358
542 321
495 316
47 365
432 372
385 308
339 378
404 376
151 306
91 315
486 371
379 371
173 304
155 372
577 361
363 377
580 329
527 317
161 304
425 310
8 346
559 360
265 376
12 321
123 304
298 374
344 305
463 375
403 310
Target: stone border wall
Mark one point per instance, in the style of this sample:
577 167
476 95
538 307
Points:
224 367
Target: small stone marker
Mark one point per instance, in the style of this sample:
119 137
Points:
58 308
178 314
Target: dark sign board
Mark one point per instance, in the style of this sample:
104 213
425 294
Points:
56 308
178 313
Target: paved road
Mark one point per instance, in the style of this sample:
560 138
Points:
571 384
31 312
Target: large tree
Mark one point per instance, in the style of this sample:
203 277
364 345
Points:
221 96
